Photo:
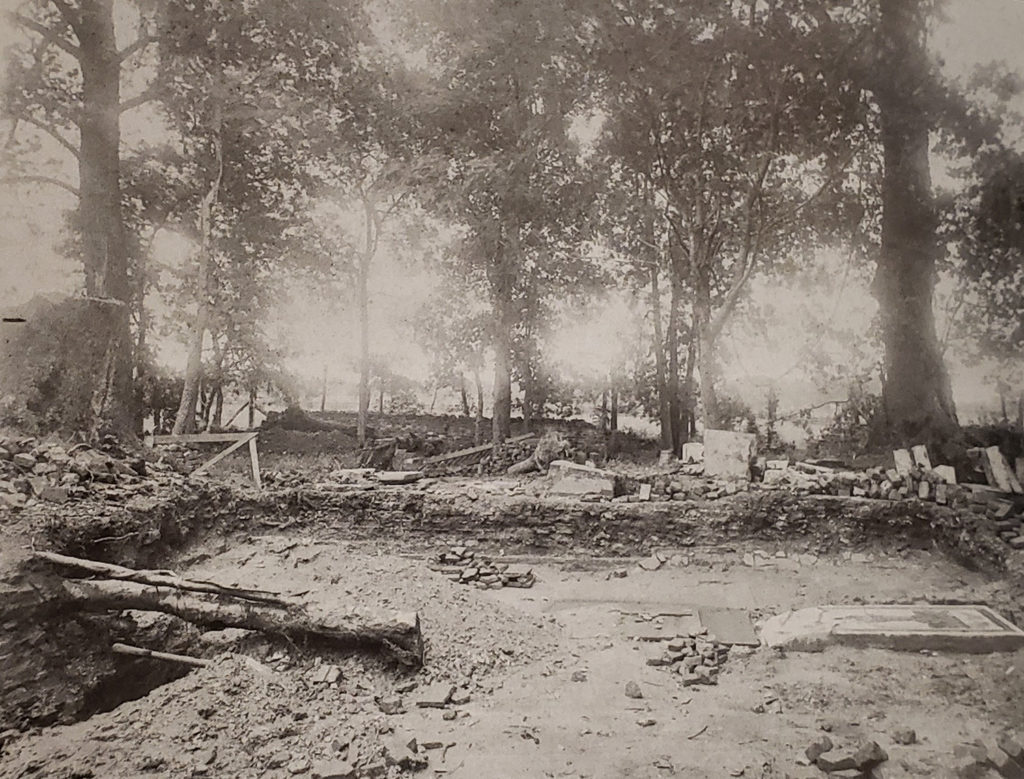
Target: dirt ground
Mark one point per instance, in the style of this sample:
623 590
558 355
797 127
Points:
544 670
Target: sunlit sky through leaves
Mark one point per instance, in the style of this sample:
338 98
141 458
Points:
318 327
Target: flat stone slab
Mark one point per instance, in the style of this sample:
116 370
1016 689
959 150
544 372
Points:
728 454
974 629
571 479
399 477
729 626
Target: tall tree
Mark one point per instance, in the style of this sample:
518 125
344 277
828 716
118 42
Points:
917 395
67 81
500 110
737 114
249 87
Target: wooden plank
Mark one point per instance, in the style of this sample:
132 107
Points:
203 438
135 651
254 461
474 450
217 458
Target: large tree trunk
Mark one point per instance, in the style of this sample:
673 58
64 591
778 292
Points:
215 605
104 244
673 363
706 364
501 419
661 368
397 633
688 424
918 398
185 419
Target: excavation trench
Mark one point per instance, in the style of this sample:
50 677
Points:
60 667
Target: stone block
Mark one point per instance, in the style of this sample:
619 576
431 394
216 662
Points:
818 748
907 628
946 472
572 479
997 471
24 461
921 458
728 454
904 461
1011 746
693 452
333 769
436 696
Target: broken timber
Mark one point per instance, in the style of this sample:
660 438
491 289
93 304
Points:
237 440
473 454
137 651
217 606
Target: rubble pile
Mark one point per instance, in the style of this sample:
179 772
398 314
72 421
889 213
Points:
499 460
1008 520
864 761
464 566
31 471
697 656
881 483
1003 755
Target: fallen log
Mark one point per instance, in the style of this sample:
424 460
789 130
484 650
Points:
159 578
138 651
398 633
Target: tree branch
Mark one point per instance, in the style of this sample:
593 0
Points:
49 130
40 180
137 45
48 34
147 94
69 15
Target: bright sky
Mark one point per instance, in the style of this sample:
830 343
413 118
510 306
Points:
319 329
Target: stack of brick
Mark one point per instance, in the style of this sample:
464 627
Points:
696 656
465 566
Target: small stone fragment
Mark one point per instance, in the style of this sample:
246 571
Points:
436 696
391 705
633 690
868 755
333 769
905 736
818 748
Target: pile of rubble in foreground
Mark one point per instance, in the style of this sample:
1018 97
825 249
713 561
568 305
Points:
464 566
31 471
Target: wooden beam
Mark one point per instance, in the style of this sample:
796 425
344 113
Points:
217 458
203 438
137 651
254 461
482 449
